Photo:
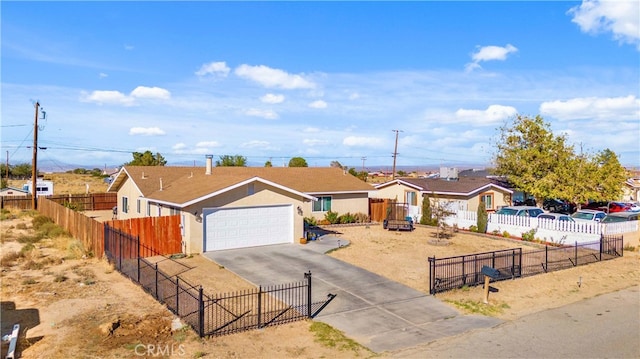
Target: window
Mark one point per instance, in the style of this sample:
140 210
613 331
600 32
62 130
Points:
412 199
323 204
138 206
148 209
125 205
487 199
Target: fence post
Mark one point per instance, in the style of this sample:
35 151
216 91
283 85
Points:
576 254
156 291
546 258
308 277
520 261
138 259
260 306
200 312
177 296
601 245
464 275
432 263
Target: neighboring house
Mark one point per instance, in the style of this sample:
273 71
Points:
235 207
11 191
43 188
631 190
462 193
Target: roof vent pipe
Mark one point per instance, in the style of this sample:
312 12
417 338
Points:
161 183
209 164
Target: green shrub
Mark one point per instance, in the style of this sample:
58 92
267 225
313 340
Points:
529 236
39 221
362 217
426 218
483 218
331 217
506 234
78 207
473 228
310 221
347 218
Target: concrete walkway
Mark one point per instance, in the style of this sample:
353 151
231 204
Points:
380 314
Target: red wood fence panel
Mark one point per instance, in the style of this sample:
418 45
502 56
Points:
158 235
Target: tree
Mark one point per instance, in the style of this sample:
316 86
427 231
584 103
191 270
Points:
298 162
268 164
531 157
22 170
402 173
335 164
231 161
359 174
609 174
483 217
426 218
147 159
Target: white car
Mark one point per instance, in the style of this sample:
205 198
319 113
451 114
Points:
556 216
588 215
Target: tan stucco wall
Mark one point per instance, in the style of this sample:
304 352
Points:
341 203
500 199
395 191
263 195
131 192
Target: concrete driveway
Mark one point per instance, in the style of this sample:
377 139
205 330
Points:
380 314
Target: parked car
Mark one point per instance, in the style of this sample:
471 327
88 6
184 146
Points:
608 207
634 206
621 217
588 215
556 216
523 211
556 205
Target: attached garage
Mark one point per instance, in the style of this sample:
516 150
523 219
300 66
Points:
240 227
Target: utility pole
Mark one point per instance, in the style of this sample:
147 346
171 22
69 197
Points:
363 159
7 168
34 164
395 154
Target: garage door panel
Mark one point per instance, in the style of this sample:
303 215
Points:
227 228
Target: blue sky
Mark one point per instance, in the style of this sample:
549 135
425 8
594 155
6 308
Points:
322 80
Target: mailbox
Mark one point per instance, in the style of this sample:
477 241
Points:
490 272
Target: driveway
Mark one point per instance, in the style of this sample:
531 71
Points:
379 313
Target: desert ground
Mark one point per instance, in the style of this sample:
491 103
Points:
74 306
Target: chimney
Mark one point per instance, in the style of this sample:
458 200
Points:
209 164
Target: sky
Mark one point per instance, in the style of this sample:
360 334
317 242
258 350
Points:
326 81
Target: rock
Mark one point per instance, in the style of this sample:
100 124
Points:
109 327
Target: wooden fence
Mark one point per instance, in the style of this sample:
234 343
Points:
163 234
89 231
80 202
378 209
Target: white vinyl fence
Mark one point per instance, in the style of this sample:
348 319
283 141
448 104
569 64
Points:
549 230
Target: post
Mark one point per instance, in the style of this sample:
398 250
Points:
546 258
576 254
201 312
601 245
432 264
308 277
260 306
156 292
177 296
395 154
34 161
486 289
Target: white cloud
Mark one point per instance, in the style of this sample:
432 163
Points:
356 141
354 96
208 144
214 68
268 114
621 18
314 142
178 146
146 131
273 78
107 97
151 93
102 75
493 114
256 144
489 53
128 47
318 104
619 108
272 98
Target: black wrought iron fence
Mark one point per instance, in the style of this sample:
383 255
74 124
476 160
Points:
456 272
212 315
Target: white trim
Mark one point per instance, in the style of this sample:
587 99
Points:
468 193
378 186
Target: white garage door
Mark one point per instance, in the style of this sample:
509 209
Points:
228 228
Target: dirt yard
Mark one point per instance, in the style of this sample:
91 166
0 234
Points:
71 306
